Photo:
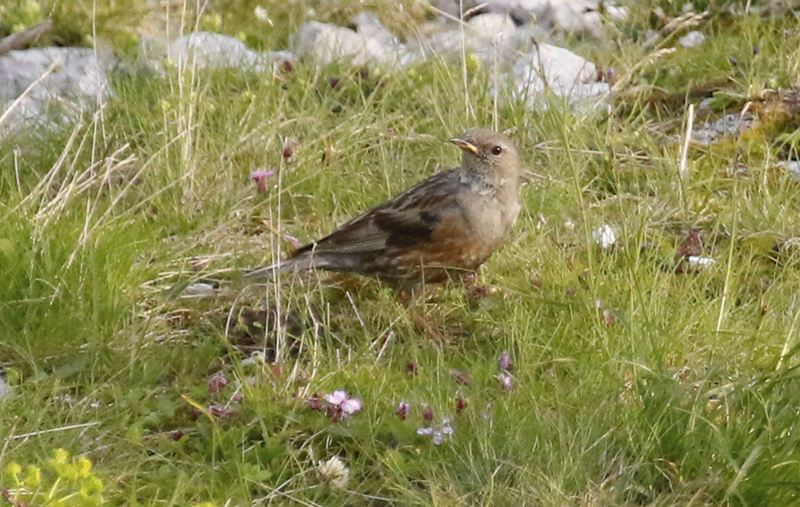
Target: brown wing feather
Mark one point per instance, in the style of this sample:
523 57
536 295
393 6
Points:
403 221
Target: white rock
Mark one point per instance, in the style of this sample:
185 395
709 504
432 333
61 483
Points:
492 37
199 290
562 71
369 25
548 65
6 391
79 73
327 44
212 50
793 166
692 39
77 83
494 27
582 17
696 260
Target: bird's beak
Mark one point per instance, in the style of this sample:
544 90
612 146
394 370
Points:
464 144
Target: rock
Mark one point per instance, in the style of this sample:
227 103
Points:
492 37
199 290
212 50
6 391
699 261
692 39
368 25
585 17
730 124
562 71
581 17
79 73
498 28
326 44
77 83
793 166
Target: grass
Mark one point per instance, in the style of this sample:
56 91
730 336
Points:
634 383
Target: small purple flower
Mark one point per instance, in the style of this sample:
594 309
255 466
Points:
507 381
505 363
439 432
217 382
341 406
402 410
260 178
427 413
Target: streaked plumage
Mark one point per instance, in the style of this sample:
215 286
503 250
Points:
446 225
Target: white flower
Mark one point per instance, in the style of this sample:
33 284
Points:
261 13
438 432
605 236
335 472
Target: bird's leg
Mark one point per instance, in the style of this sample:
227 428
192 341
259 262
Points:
474 292
410 297
429 319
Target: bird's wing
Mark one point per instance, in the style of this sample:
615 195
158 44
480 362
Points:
404 221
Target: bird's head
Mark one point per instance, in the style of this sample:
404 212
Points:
490 154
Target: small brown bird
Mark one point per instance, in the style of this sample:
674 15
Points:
445 226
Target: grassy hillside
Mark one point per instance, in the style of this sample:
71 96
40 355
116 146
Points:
638 378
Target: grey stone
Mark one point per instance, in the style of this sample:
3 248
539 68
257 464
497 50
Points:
583 17
326 43
213 50
6 391
560 70
492 37
78 83
199 290
792 166
730 124
692 39
80 72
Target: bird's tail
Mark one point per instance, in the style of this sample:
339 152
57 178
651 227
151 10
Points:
286 266
306 261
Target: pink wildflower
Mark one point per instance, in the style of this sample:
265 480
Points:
260 178
217 382
341 406
507 381
402 410
505 363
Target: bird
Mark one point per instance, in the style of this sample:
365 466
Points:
442 228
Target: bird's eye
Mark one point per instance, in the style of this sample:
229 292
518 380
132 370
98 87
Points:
497 149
